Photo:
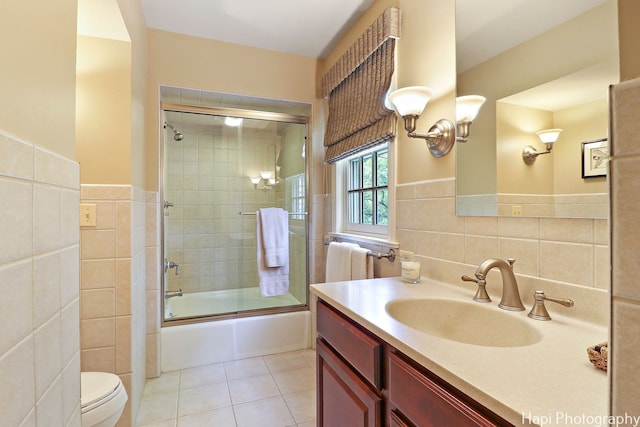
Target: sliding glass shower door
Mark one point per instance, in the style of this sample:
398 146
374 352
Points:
220 166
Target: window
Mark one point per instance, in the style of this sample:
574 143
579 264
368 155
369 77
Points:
367 191
295 193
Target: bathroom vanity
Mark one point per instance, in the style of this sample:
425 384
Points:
378 365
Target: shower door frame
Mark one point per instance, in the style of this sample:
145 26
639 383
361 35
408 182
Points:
247 114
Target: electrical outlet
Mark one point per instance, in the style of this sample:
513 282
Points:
87 215
516 210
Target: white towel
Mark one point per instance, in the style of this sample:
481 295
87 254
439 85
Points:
275 236
338 267
273 280
361 264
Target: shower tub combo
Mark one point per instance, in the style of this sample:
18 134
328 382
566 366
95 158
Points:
212 310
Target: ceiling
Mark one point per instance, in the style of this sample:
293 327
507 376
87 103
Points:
484 28
302 27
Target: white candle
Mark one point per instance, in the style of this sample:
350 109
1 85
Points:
411 271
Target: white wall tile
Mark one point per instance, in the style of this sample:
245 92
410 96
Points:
16 158
17 392
16 220
16 291
47 218
47 354
46 287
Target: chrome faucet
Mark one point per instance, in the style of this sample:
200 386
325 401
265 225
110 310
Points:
171 294
510 294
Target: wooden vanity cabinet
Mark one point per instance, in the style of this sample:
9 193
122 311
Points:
417 398
363 381
349 373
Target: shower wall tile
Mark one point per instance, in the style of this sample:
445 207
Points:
97 244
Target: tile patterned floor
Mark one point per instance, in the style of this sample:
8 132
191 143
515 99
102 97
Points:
270 391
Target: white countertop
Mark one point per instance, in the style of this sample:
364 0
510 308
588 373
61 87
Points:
540 384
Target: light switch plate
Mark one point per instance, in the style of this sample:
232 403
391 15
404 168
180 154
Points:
87 215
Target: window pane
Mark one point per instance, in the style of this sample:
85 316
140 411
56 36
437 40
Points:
367 207
354 174
354 208
382 207
367 171
383 168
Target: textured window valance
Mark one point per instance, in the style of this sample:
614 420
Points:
356 86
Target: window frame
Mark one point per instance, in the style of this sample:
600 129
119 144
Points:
342 194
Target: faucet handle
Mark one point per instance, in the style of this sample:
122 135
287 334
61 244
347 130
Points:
539 311
481 294
511 261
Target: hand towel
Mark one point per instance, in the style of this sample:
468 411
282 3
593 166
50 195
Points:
275 236
272 280
361 264
338 266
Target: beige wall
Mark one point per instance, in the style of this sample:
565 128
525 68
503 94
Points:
137 29
103 125
557 53
192 62
38 75
561 171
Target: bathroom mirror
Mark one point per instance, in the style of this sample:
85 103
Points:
541 64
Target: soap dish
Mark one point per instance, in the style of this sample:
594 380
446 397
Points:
598 355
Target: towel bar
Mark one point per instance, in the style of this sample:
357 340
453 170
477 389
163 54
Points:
290 213
390 255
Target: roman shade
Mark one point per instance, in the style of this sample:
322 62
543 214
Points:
356 86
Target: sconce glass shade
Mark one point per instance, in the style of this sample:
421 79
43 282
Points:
232 121
265 175
410 101
549 136
255 180
467 107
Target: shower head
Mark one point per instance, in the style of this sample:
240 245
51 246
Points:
177 135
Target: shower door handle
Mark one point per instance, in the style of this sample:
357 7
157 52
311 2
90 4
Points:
168 265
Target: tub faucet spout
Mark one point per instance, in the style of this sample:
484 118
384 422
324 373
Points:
171 294
510 294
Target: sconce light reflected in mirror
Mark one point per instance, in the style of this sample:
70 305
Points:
265 178
410 102
233 121
467 108
548 137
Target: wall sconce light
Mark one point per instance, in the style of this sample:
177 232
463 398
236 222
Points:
410 103
265 178
548 137
467 108
233 121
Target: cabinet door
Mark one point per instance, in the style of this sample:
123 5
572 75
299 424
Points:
343 398
426 403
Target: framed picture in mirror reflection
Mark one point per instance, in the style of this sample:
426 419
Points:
595 157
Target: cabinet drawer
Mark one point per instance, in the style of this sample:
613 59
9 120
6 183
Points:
426 403
361 350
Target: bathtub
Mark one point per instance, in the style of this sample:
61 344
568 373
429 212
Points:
226 301
197 344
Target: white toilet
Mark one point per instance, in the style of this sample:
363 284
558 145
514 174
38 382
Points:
102 399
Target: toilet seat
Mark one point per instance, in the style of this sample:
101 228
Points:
97 388
102 399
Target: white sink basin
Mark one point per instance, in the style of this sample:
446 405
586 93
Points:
465 322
